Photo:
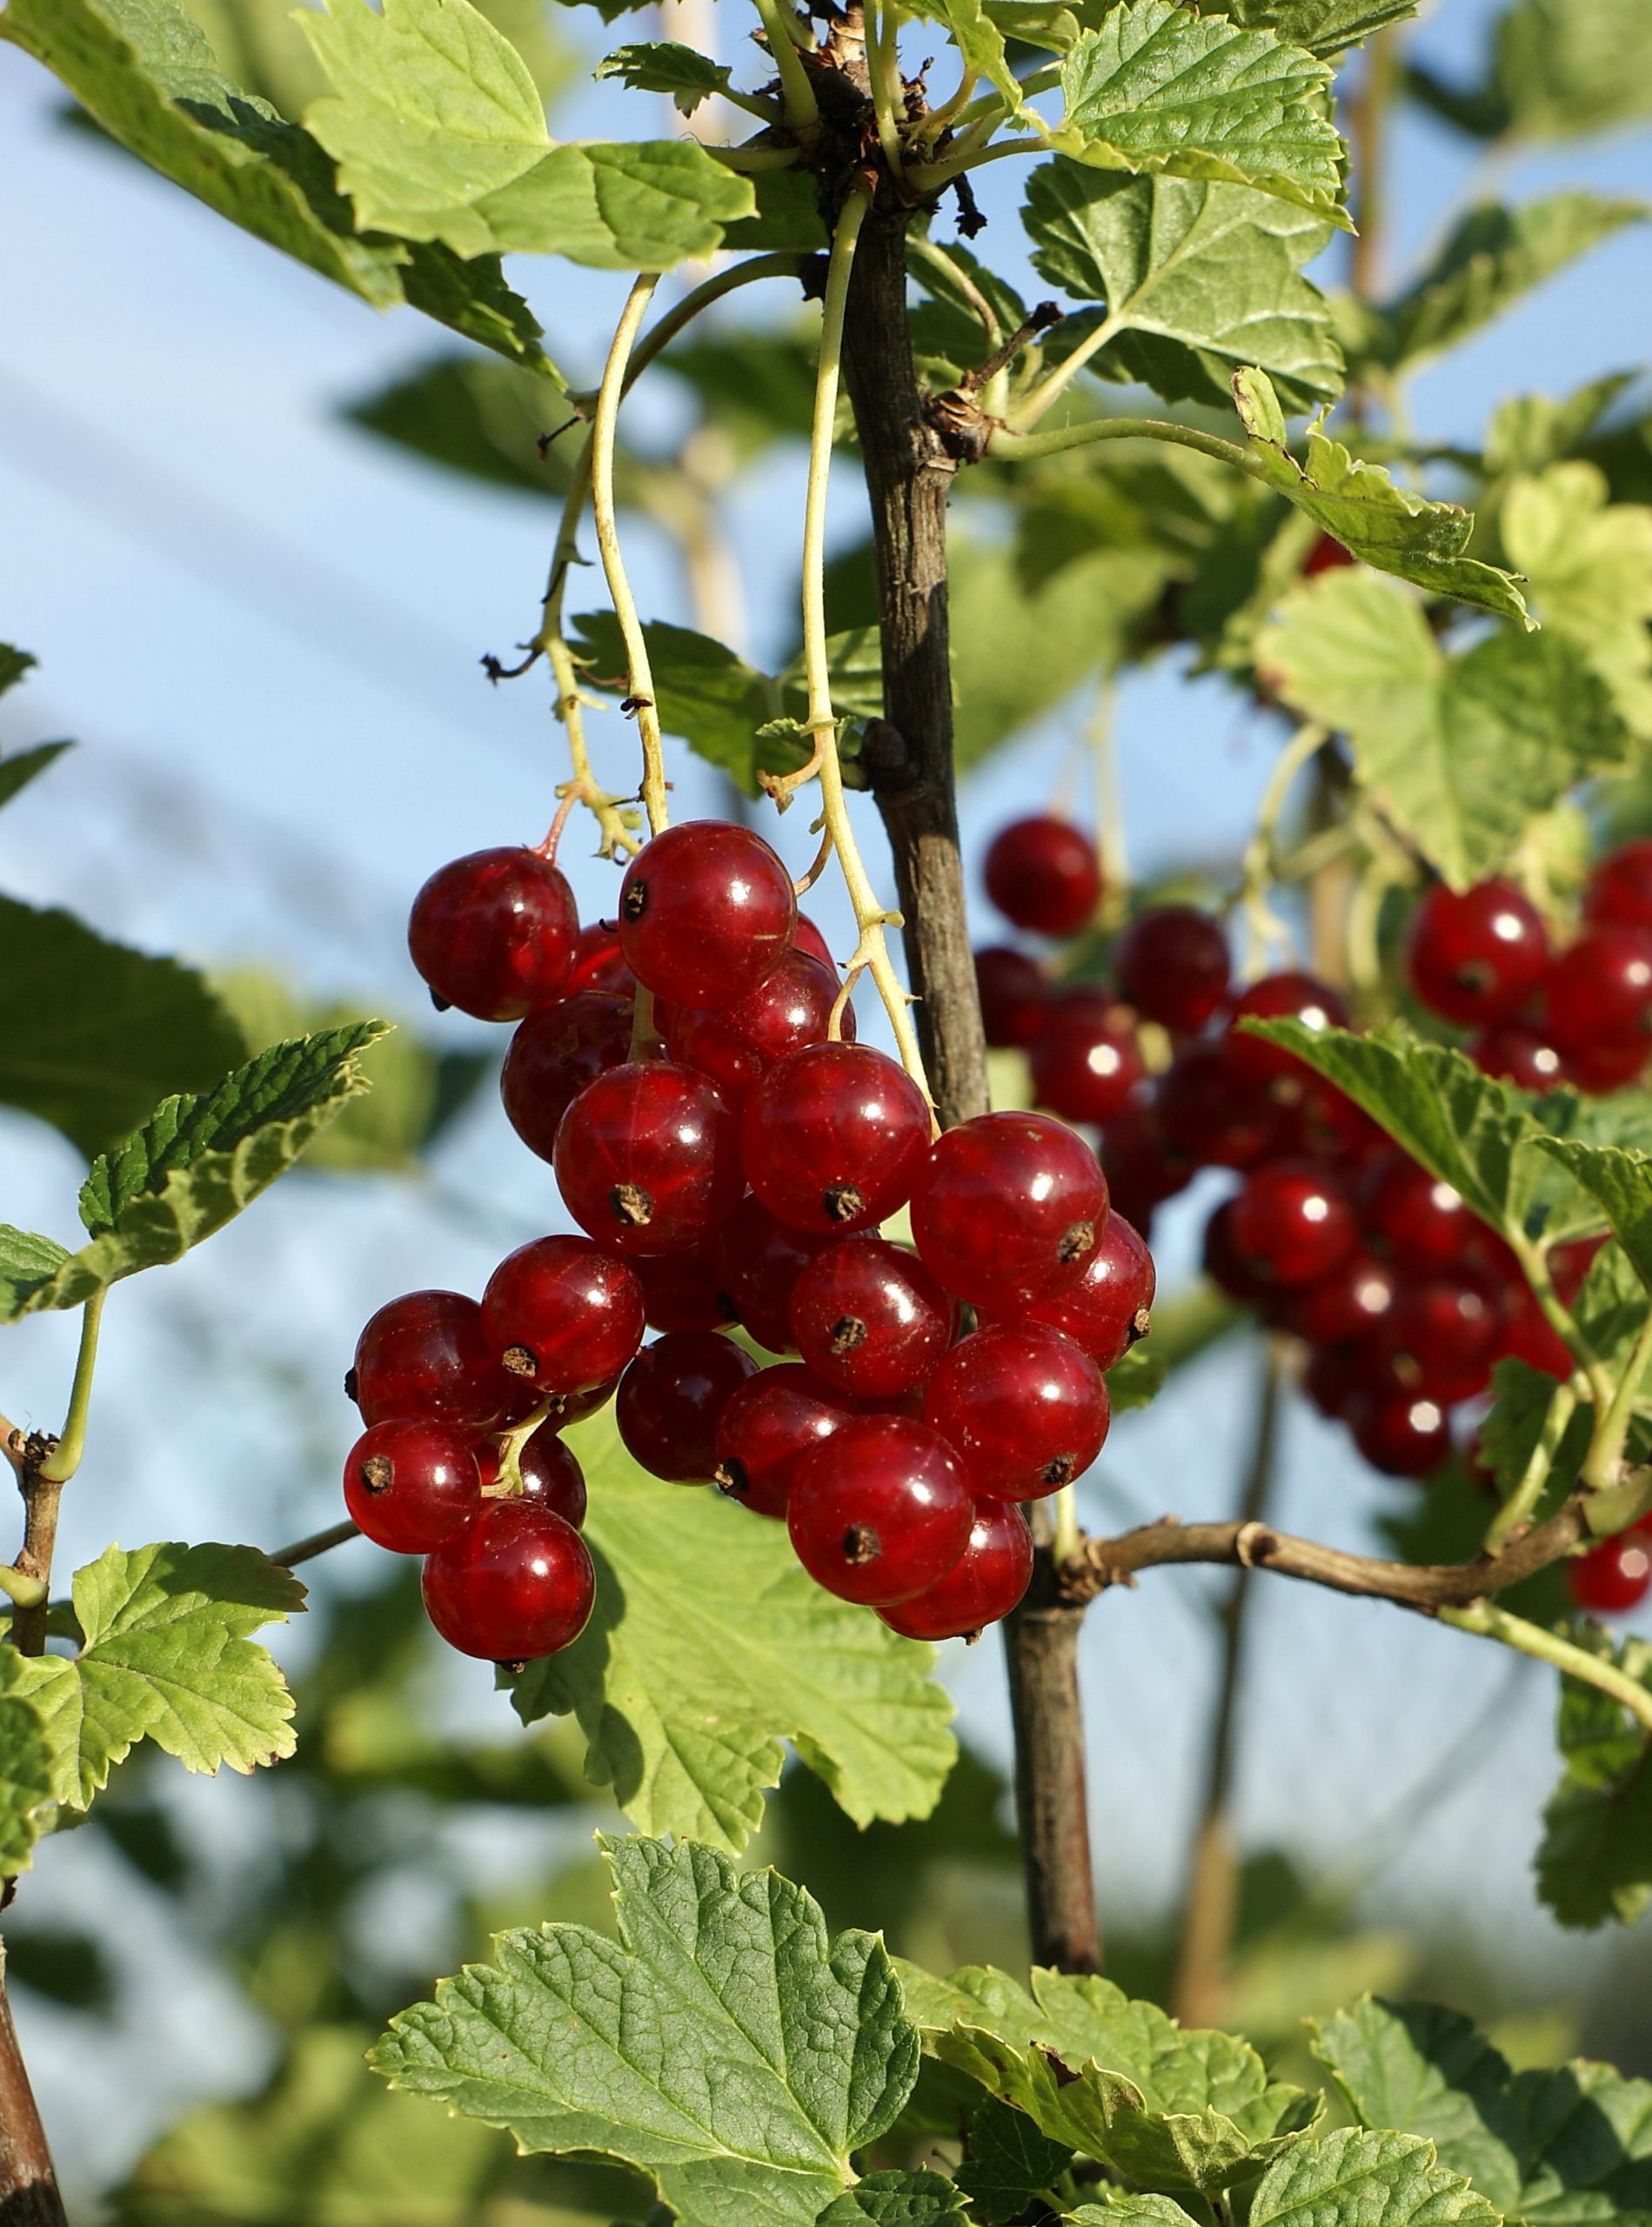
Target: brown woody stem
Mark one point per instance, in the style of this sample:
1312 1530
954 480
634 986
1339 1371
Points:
29 2195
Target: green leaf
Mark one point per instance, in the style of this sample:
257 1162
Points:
143 69
1589 563
1558 69
723 2044
666 66
920 2199
1157 88
482 418
1595 1863
1007 2162
1621 1181
438 132
27 1261
1508 1438
168 1656
1530 431
92 1032
703 692
14 663
18 771
1198 278
1123 2210
1135 1378
684 1706
1324 27
979 34
1377 2180
1461 750
25 1779
785 214
1358 504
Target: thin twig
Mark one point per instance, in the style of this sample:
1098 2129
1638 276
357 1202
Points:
639 675
318 1542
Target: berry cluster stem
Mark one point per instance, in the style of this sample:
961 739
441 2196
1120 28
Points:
1518 1510
639 674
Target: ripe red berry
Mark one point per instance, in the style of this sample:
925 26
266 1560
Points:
1210 1112
1442 1336
736 1045
516 1583
563 1313
1280 997
1527 1333
427 1355
1619 894
1087 1065
551 1476
1607 1064
410 1485
1477 956
671 1399
1110 1306
1009 1206
1172 965
1514 1052
983 1585
1346 1308
880 1511
1293 1222
870 1318
647 1158
599 964
1230 1269
1424 1222
1042 874
706 912
1014 995
493 934
1399 1432
1141 1169
806 938
834 1137
1326 556
1601 988
685 1290
1025 1409
1334 1375
759 1260
765 1424
553 1054
1614 1576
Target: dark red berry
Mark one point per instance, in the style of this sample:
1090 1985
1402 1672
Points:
765 1425
1230 1269
1009 1206
1422 1223
565 1408
706 912
671 1399
880 1511
553 1054
1042 874
806 938
647 1158
1172 964
1442 1336
1619 894
427 1355
1527 1333
552 1477
1607 1064
516 1583
1209 1112
1087 1065
599 964
1476 956
1326 556
737 1044
493 934
1280 997
833 1137
1332 1376
685 1290
1025 1409
1399 1432
1346 1308
983 1585
1614 1576
563 1313
870 1318
1331 1123
1109 1307
1293 1222
1601 988
1512 1051
759 1260
1141 1169
410 1485
1014 995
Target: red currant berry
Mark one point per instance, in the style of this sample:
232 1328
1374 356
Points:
870 1318
1172 965
1211 1114
493 934
516 1583
1280 997
427 1355
1014 995
671 1398
563 1409
759 1260
1294 1223
552 1477
807 938
1025 1409
765 1425
737 1044
1348 1307
1009 1206
879 1512
553 1054
1527 1333
1477 956
1230 1269
599 964
1141 1169
1399 1432
1442 1337
647 1158
1087 1065
1333 1125
685 1290
1614 1576
1042 874
563 1313
1110 1306
706 912
1334 1375
833 1137
1424 1222
1512 1051
1601 988
986 1582
1608 1064
1326 556
410 1485
1619 894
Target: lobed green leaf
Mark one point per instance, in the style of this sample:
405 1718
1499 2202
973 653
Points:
26 1779
1589 564
1594 1862
1378 2179
920 2199
666 66
1324 27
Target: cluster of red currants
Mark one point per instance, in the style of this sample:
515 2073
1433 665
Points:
731 1152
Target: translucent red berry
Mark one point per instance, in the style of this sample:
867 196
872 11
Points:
551 1476
1280 997
766 1424
1613 1577
706 912
1013 994
427 1355
553 1054
1601 988
1142 1168
410 1485
833 1137
1087 1065
1042 874
1422 1223
493 934
759 1259
870 1318
1025 1409
1476 956
1110 1306
1293 1222
1209 1112
1607 1064
880 1511
685 1291
516 1583
1619 894
565 1409
806 938
671 1398
1442 1334
563 1313
736 1045
1345 1307
1326 556
647 1158
1009 1205
1232 1271
1172 964
599 964
984 1584
1514 1052
1399 1432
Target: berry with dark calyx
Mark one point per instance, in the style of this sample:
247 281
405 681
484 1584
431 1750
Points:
1042 875
759 1259
647 1158
493 934
1209 1112
834 1137
685 1291
410 1485
516 1583
1013 994
1424 1222
1024 1408
1613 1577
1172 964
1476 957
599 964
671 1399
553 1054
1513 1051
1442 1337
1110 1306
1087 1065
807 938
880 1511
1399 1432
1601 988
1230 1271
1280 997
1293 1222
1346 1308
551 1476
1009 1206
737 1044
706 912
986 1582
1619 894
767 1423
870 1318
563 1313
427 1355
